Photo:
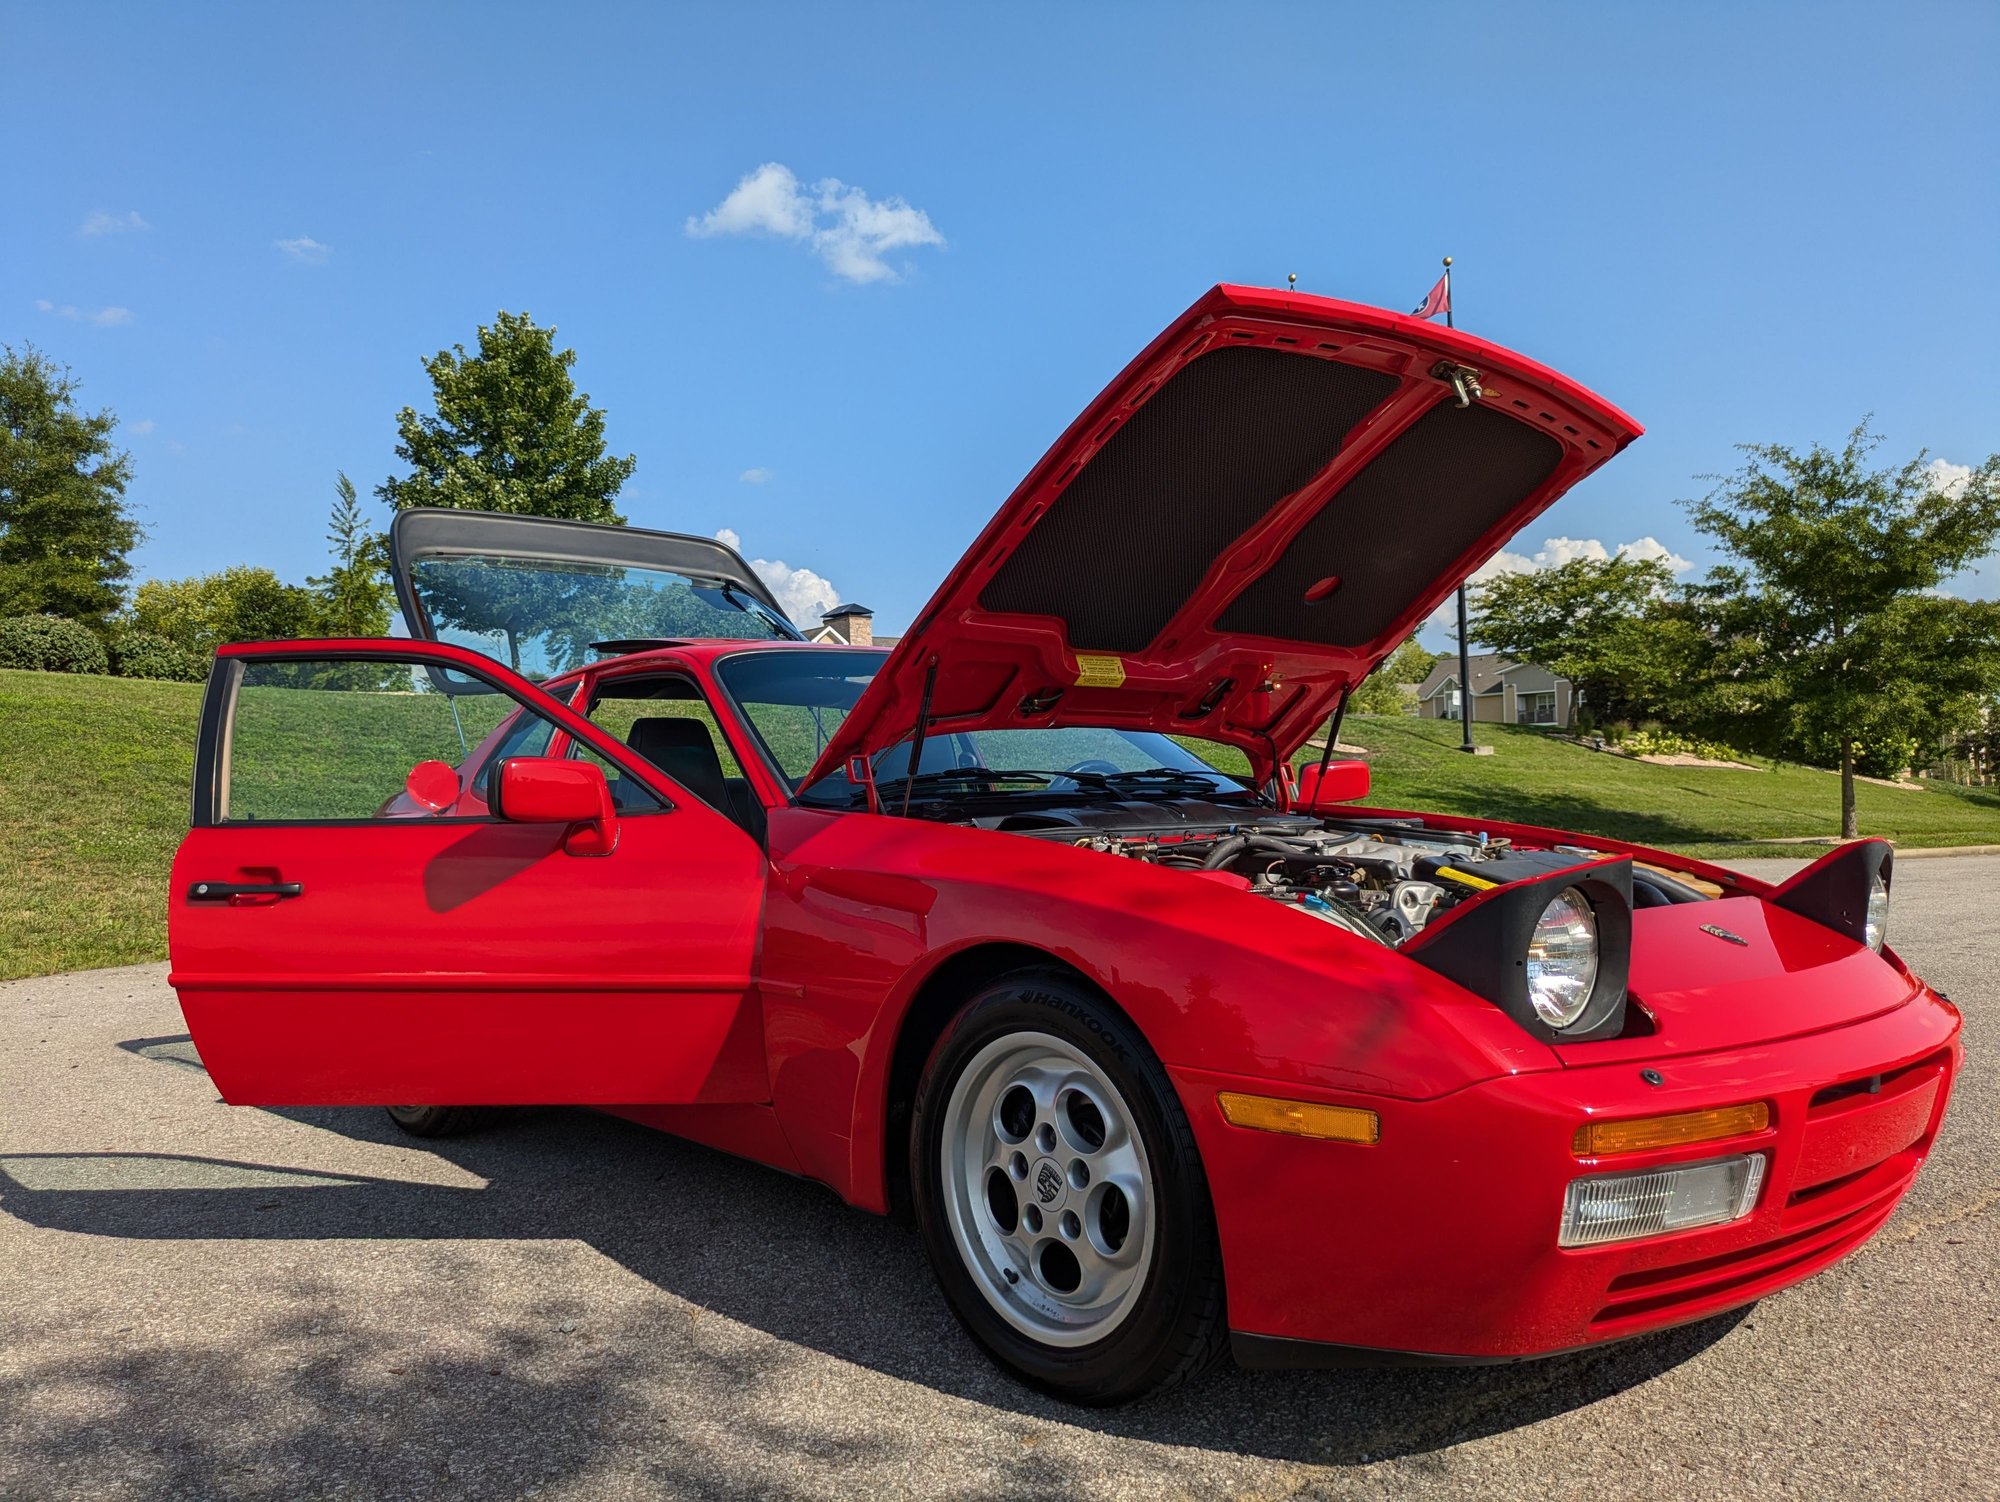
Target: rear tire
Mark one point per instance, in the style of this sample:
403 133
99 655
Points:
1061 1198
443 1121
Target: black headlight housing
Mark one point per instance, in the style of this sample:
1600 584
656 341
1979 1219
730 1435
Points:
1834 889
1482 944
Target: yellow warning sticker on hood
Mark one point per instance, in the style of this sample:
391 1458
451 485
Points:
1100 672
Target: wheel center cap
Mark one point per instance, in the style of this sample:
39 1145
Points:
1047 1178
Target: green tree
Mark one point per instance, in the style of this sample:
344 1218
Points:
1826 624
240 603
354 594
1606 624
64 528
511 433
1381 692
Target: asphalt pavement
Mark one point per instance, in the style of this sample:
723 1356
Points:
201 1301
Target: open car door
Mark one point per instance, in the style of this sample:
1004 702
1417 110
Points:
391 895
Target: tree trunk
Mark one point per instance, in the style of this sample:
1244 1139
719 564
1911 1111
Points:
1849 828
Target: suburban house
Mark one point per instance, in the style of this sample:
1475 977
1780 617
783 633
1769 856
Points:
1504 692
850 626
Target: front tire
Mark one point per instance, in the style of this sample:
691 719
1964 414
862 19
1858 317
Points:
1061 1197
442 1121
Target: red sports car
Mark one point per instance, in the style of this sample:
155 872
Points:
1028 924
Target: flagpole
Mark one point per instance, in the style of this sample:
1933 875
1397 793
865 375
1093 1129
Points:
1464 644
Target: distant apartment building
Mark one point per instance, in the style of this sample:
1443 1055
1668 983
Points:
1504 692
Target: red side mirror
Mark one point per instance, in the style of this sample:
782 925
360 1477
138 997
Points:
551 790
1342 782
432 786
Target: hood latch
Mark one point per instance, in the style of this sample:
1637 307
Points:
1462 378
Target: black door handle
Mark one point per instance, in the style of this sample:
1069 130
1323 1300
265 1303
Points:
223 891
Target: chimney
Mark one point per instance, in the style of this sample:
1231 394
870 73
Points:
856 623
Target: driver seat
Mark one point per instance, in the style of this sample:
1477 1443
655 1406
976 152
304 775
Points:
685 751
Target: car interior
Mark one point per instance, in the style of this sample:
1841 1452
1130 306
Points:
666 720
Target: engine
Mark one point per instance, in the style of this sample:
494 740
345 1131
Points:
1381 878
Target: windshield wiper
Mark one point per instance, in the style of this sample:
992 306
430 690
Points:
1155 779
985 778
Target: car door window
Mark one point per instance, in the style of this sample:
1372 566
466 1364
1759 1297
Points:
320 740
525 735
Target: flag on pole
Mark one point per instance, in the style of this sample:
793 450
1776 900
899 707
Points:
1436 301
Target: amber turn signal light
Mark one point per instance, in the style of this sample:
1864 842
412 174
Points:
1301 1118
1598 1139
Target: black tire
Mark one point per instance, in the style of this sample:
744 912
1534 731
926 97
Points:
443 1121
1178 1325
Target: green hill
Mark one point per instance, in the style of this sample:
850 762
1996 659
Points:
94 779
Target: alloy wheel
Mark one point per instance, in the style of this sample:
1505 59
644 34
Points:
1048 1189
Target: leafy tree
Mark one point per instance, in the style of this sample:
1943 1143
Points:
1381 691
64 529
511 433
1608 625
355 592
240 603
1826 624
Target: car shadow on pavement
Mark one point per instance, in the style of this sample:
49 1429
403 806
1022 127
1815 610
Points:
786 1257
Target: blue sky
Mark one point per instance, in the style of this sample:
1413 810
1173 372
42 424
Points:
243 227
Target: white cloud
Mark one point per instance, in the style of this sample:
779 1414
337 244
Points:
305 250
767 202
1652 547
849 231
143 426
805 595
1947 477
103 318
101 223
755 476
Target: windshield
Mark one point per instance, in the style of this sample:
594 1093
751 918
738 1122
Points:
540 616
795 701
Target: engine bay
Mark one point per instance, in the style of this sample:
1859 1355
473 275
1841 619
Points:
1381 878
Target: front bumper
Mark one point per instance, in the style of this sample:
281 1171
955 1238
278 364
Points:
1438 1243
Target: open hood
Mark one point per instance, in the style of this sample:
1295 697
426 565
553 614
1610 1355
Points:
537 593
1256 512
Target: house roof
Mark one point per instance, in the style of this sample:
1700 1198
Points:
1486 670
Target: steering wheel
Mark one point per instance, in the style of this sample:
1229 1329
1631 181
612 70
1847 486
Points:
1094 764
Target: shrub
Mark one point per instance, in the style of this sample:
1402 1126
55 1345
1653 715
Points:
1672 743
146 654
51 644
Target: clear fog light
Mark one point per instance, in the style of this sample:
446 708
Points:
1876 927
1625 1206
1562 959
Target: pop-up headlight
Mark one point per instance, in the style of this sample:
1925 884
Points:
1552 951
1847 890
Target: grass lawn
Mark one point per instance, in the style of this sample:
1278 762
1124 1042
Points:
1702 811
94 776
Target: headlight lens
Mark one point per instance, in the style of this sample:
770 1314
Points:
1876 928
1562 959
1654 1202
